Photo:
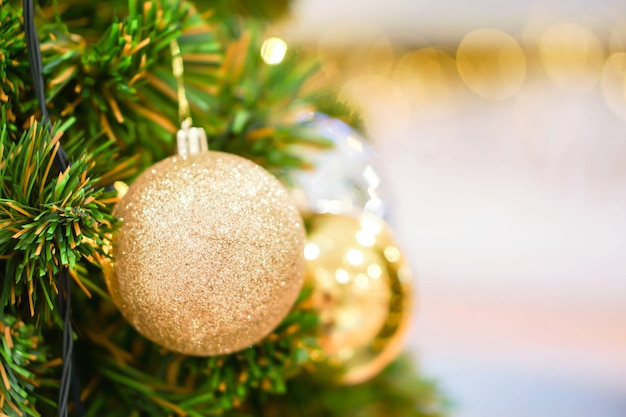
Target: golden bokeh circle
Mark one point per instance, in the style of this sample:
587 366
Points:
370 51
273 50
613 83
429 77
386 107
491 63
572 56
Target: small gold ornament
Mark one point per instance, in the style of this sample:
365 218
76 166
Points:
362 289
209 259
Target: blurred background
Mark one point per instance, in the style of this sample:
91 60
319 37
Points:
501 128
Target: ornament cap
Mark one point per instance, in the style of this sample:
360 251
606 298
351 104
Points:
191 140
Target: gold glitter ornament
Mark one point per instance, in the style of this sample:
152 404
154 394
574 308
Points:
362 290
209 258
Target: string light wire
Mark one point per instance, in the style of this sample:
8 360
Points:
69 376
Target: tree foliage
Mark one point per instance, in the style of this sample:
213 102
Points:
112 99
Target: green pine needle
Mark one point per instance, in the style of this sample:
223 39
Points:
113 99
22 366
14 68
48 219
165 383
398 391
122 85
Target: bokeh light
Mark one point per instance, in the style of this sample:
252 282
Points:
572 55
429 77
491 63
508 178
273 51
370 52
382 119
617 38
614 83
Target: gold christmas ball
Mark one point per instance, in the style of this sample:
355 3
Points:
209 258
362 290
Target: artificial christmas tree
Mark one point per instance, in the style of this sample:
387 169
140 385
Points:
105 105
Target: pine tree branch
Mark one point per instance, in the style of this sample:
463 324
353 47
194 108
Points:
112 92
110 84
23 364
48 219
14 68
163 382
398 391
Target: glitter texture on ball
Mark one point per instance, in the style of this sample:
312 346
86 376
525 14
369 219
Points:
209 259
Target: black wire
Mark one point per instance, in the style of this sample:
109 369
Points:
69 376
68 342
61 159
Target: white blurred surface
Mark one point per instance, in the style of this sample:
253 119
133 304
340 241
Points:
515 224
513 214
448 20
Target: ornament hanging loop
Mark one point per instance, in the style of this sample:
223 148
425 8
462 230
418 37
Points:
189 140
